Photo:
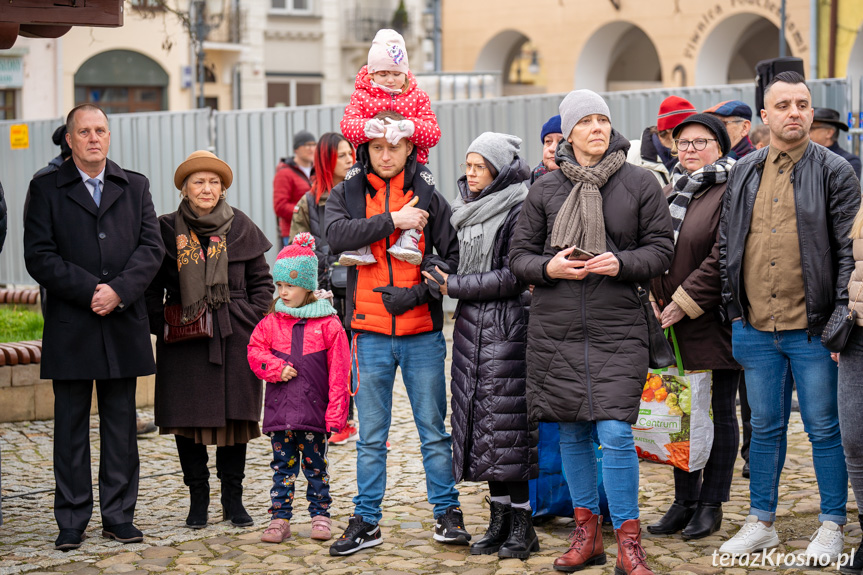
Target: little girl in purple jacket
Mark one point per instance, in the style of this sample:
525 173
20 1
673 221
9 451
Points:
300 349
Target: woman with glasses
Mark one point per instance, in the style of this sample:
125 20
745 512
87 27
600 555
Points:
588 235
491 440
686 297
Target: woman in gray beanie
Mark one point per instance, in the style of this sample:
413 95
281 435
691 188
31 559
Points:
589 235
491 435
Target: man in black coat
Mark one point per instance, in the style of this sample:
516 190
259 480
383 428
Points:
91 237
825 131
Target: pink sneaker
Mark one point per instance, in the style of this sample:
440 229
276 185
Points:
278 531
321 528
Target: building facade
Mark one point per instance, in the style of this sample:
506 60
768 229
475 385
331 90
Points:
555 46
258 54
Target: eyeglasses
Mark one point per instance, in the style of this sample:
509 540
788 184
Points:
478 169
698 144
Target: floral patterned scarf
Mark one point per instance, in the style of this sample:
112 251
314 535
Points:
203 278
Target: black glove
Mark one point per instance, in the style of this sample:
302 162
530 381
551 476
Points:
399 300
428 265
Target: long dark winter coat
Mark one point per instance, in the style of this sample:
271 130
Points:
205 382
491 434
71 246
587 339
705 342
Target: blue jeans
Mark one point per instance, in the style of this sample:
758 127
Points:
421 359
773 360
619 467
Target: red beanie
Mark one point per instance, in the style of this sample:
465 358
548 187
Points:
672 111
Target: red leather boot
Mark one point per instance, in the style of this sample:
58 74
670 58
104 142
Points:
585 547
631 558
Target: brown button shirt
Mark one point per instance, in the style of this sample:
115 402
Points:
772 272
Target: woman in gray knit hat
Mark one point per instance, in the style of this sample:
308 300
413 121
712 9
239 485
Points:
589 234
490 431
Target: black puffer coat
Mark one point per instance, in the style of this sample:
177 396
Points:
587 339
492 439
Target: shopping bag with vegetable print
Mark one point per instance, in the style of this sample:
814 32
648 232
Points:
674 421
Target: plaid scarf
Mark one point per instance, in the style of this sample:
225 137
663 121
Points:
687 185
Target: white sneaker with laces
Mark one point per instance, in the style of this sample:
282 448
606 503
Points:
826 544
752 537
360 257
407 248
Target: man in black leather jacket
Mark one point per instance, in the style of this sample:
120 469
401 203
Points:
785 262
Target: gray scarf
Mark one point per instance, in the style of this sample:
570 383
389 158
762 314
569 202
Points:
477 223
580 221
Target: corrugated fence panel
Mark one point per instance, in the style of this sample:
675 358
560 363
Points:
252 141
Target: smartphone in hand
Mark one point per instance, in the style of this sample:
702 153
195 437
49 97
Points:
580 254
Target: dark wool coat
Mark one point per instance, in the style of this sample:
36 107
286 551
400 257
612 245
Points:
587 339
70 247
491 434
705 342
205 382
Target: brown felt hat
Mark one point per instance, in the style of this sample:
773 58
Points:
203 161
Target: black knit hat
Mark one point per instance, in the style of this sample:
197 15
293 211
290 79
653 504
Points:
710 122
302 138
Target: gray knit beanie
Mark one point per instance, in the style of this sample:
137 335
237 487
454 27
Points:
577 105
498 149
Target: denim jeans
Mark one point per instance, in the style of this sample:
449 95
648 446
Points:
619 467
421 359
773 360
851 408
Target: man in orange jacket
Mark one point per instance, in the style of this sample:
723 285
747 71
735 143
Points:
397 322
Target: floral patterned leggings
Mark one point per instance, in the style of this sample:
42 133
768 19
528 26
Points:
291 450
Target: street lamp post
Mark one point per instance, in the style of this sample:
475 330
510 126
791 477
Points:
204 16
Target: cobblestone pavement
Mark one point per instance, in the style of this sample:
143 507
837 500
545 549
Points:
26 538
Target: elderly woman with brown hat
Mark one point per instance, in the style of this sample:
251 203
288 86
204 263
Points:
205 392
589 235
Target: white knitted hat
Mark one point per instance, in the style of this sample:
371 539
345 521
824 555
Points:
388 52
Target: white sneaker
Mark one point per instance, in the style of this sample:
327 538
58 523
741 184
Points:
407 248
825 544
753 536
360 257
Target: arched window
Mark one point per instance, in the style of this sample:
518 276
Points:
122 81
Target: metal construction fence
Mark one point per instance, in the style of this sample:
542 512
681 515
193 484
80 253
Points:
252 141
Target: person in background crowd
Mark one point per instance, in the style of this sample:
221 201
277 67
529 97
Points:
386 83
3 226
653 151
396 322
737 117
205 392
91 237
491 434
59 139
292 180
587 336
687 297
825 131
760 136
785 260
334 156
550 136
850 387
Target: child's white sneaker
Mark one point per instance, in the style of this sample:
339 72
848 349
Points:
826 544
753 536
360 257
407 247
